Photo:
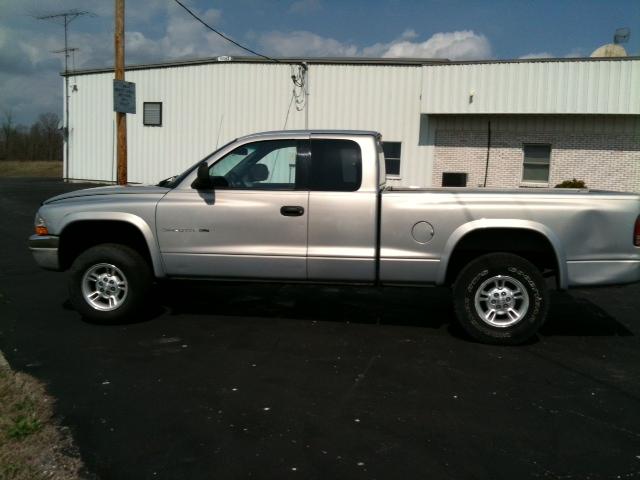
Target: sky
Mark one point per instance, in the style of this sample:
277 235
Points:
159 30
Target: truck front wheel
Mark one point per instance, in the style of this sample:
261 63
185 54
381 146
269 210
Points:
109 283
501 298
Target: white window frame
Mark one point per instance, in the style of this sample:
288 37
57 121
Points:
144 122
536 183
399 159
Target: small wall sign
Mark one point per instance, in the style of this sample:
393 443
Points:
124 96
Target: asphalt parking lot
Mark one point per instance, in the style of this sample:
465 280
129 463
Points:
263 381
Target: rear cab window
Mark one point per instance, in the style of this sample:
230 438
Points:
336 165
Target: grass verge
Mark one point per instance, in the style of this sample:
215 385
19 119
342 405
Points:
31 445
11 168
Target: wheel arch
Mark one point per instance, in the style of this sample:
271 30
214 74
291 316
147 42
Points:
488 227
83 220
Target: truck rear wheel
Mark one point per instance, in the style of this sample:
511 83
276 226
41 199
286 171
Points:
109 283
501 298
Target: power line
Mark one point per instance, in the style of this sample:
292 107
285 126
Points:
222 34
299 86
286 118
299 92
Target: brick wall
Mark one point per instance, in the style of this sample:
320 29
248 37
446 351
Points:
602 151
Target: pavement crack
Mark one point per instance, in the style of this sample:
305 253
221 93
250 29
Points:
604 422
585 375
361 376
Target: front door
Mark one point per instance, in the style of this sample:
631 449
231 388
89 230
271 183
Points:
253 225
342 212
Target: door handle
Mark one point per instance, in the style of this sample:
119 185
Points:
291 211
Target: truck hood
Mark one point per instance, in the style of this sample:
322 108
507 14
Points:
113 190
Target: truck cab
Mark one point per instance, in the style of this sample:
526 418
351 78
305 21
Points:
282 205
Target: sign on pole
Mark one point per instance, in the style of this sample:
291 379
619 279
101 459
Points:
124 96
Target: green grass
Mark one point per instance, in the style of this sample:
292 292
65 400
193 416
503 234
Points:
11 168
31 445
24 421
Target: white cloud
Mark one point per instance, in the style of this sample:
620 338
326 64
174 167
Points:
462 45
29 71
28 75
305 44
160 31
536 55
182 37
576 52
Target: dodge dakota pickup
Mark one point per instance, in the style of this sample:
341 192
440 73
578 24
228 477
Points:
313 206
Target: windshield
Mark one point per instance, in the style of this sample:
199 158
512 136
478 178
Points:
174 181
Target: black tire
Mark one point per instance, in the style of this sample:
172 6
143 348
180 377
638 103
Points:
483 271
138 279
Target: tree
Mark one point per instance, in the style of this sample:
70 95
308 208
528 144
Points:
48 125
41 141
7 131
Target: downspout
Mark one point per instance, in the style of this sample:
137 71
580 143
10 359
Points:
486 167
306 95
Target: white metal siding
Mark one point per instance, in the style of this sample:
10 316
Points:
202 106
206 105
202 102
381 98
91 128
586 87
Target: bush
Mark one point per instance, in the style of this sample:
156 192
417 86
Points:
572 184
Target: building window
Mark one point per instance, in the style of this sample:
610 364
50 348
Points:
152 114
392 157
536 163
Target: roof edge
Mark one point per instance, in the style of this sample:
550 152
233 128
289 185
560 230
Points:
546 60
285 60
417 62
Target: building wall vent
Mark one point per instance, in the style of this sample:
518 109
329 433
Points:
454 179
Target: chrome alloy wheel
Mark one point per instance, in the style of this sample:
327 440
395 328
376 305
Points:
104 287
501 301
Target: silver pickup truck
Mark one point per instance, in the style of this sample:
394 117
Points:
312 206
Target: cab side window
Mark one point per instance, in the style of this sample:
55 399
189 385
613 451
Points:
336 166
265 165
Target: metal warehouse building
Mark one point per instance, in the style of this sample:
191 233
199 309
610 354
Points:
495 123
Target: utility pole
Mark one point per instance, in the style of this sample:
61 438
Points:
121 117
67 18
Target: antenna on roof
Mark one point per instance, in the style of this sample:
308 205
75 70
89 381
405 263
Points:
65 18
622 35
614 49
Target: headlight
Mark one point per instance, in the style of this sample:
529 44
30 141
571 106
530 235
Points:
40 225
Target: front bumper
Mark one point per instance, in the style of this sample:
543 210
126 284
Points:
45 251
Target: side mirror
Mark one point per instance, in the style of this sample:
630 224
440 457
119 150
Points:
203 181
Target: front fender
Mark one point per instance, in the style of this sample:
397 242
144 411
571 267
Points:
135 220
